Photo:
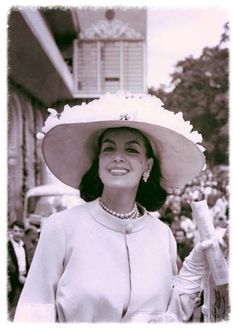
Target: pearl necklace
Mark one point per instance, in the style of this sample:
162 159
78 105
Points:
130 215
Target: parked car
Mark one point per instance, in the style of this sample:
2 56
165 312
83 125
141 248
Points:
42 201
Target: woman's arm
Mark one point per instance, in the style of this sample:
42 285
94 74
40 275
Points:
205 255
188 283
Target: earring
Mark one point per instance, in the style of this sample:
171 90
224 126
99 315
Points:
146 175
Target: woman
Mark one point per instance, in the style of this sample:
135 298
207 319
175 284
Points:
111 260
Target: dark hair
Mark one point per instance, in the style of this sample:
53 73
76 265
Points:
150 194
30 230
17 224
186 210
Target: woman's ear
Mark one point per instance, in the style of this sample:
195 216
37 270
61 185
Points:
149 164
146 173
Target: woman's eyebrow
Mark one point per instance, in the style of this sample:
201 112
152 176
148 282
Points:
128 142
108 141
132 142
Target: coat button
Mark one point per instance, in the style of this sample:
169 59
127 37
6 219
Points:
128 228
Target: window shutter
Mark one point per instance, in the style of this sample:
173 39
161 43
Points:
110 66
86 68
133 65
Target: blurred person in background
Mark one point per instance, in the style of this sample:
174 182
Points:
31 240
17 265
186 222
184 245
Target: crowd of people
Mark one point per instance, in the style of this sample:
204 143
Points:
212 185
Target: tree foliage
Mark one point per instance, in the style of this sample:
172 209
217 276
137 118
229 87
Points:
200 91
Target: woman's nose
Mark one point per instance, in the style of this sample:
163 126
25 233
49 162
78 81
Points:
118 157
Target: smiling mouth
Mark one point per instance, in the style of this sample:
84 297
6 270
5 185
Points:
118 171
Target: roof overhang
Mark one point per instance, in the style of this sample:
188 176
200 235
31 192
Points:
34 59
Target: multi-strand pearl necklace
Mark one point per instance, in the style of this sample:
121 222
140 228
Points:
130 215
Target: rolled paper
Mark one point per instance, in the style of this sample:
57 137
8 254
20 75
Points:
215 257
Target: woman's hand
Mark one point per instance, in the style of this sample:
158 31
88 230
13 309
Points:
197 255
198 252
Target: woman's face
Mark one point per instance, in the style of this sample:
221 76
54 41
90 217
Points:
122 159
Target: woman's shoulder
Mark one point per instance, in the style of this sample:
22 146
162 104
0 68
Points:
156 221
69 216
71 211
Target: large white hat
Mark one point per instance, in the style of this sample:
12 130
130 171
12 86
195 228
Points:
70 138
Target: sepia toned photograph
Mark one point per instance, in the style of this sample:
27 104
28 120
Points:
118 164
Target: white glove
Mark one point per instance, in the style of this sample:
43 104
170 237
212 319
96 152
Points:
197 256
194 268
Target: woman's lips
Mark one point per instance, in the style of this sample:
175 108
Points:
118 171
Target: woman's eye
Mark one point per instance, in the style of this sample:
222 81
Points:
132 150
108 149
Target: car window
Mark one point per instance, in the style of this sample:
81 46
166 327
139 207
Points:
41 207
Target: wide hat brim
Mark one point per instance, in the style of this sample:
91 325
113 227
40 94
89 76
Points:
69 150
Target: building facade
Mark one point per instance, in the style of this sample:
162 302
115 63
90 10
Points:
110 52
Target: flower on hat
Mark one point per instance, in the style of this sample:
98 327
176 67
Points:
124 106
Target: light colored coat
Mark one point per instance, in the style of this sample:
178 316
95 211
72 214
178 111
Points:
92 267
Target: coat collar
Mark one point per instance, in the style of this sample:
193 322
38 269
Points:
115 224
